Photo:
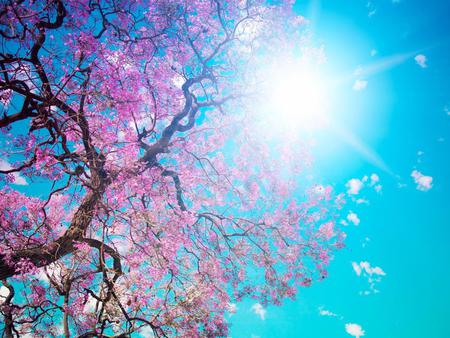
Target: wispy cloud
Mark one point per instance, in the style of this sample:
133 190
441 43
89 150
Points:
371 9
259 310
365 242
359 85
326 313
374 179
421 60
362 201
356 268
373 274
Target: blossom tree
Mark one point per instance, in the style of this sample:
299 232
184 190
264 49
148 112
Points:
153 199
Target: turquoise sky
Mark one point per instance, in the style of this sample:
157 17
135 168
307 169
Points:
389 61
399 123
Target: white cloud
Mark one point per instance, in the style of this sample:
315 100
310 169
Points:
259 310
4 292
326 313
18 179
360 85
354 186
424 183
352 217
365 266
421 60
354 330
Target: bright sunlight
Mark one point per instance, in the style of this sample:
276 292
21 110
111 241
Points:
298 97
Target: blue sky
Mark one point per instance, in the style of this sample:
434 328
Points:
392 59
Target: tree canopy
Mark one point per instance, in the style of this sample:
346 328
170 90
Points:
139 192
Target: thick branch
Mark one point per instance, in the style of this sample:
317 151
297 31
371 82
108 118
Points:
49 253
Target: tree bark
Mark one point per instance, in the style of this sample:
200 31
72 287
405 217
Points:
49 253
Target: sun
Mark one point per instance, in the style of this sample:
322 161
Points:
297 97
